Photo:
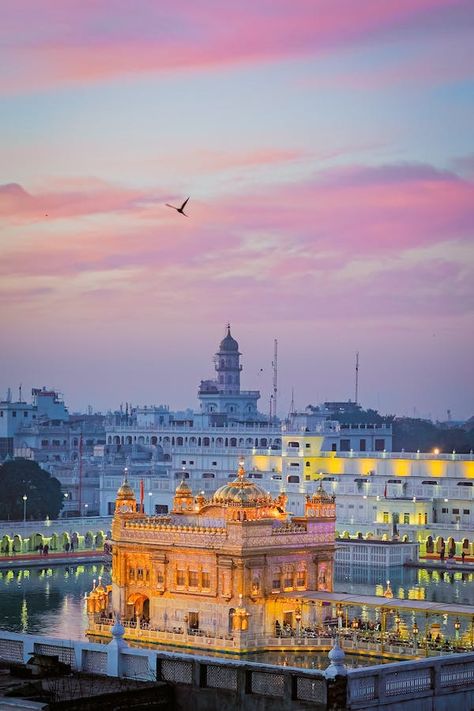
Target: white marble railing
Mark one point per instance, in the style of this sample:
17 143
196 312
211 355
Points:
394 683
391 684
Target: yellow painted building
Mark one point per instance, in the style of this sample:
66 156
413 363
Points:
228 569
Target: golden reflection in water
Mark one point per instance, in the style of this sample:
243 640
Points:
24 616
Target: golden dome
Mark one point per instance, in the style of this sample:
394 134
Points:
125 491
322 494
241 491
183 488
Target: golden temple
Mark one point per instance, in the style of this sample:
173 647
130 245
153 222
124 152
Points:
227 570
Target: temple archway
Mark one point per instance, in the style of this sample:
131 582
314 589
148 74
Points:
141 605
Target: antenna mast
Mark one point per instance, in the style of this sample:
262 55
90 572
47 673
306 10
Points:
357 379
275 377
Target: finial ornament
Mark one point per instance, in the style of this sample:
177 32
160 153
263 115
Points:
241 471
336 657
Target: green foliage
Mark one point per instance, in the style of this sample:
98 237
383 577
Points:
20 477
412 434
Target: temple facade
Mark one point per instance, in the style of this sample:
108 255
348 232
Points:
230 567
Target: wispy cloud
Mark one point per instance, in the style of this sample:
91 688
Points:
376 232
85 42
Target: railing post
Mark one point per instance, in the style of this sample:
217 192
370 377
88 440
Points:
199 674
435 674
28 647
115 649
243 686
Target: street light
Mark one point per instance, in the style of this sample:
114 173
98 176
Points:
86 506
150 494
25 499
457 627
298 621
415 631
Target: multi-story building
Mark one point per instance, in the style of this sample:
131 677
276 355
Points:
65 445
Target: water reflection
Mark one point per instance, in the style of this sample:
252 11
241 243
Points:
406 583
48 600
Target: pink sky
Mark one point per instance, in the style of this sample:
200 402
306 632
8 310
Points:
327 148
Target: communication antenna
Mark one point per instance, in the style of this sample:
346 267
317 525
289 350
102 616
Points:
292 404
19 394
357 379
275 376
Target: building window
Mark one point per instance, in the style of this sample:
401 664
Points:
1 413
295 464
334 447
350 506
406 518
25 414
131 573
308 464
193 620
206 581
444 510
288 581
466 512
345 445
276 582
183 461
362 445
379 445
386 517
14 413
160 578
161 508
455 511
307 445
193 579
180 577
301 579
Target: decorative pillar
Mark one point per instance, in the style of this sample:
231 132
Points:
115 647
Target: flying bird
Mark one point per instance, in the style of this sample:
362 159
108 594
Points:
179 209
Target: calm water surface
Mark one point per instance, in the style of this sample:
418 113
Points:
50 600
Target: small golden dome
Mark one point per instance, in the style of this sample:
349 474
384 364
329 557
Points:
125 491
322 494
183 488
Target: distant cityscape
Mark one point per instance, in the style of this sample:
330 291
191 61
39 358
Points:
388 474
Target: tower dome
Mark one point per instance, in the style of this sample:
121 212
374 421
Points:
241 492
229 344
125 501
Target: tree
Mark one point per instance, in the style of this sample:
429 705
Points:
22 477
